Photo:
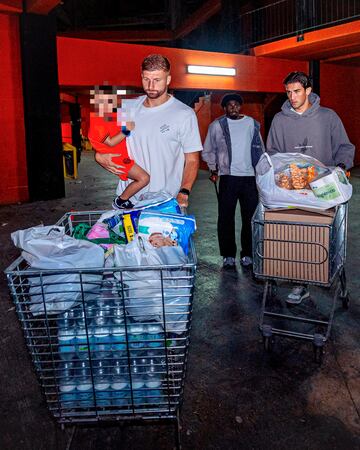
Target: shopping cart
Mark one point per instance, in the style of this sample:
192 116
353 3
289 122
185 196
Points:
119 351
309 253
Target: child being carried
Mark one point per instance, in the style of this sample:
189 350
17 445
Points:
106 136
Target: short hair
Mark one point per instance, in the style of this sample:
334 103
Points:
233 96
155 62
298 77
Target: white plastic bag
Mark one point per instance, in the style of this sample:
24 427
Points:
145 287
50 248
273 196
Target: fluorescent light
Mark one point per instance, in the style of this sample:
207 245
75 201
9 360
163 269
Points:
211 70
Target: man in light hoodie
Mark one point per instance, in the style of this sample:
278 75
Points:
303 126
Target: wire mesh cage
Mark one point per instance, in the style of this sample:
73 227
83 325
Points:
292 250
103 345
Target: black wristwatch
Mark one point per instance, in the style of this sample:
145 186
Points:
184 191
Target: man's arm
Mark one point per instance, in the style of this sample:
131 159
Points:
105 160
209 152
343 150
273 140
191 168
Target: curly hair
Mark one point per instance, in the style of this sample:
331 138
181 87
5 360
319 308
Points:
155 62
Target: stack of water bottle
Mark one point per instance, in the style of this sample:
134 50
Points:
108 362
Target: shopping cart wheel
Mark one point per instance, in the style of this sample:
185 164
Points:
345 300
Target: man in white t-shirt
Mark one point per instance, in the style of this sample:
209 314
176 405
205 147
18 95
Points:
232 149
166 140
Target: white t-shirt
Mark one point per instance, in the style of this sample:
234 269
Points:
241 135
161 136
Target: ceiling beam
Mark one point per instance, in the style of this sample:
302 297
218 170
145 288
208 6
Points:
349 56
11 6
41 6
122 35
200 16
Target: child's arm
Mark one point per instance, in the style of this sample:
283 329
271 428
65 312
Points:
115 140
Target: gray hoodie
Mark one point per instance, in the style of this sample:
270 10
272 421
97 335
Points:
318 132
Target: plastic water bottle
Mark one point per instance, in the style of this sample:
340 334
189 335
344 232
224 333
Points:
66 319
102 384
155 335
66 339
118 341
67 385
102 342
120 393
103 314
153 382
118 314
136 336
84 387
84 340
137 382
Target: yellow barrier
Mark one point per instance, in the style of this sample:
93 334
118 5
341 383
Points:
70 148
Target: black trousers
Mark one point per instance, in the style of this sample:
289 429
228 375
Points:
231 190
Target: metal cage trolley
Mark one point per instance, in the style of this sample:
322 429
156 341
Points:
310 251
119 350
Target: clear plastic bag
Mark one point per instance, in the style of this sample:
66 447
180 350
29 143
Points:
50 248
287 179
148 285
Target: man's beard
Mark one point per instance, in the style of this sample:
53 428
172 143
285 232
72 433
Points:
154 94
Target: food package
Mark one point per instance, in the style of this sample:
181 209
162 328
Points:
294 180
330 187
298 175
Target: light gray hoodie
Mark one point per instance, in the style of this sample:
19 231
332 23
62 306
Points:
318 132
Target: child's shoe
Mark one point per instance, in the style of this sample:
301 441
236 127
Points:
119 203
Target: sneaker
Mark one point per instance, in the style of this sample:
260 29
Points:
246 261
297 295
119 203
229 263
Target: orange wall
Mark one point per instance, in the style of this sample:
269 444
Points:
13 180
87 63
340 86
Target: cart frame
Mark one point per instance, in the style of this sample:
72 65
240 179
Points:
333 256
169 303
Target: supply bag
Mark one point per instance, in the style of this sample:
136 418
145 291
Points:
287 180
49 248
166 229
151 283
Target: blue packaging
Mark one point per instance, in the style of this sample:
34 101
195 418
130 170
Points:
166 229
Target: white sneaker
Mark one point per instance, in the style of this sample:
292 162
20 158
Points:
297 295
229 263
246 261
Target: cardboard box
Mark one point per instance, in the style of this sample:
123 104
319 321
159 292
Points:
296 244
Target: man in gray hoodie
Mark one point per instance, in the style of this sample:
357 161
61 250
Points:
303 126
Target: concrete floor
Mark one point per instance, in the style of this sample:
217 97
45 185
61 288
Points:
236 397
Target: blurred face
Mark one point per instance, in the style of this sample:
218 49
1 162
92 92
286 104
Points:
232 110
155 83
298 96
105 103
